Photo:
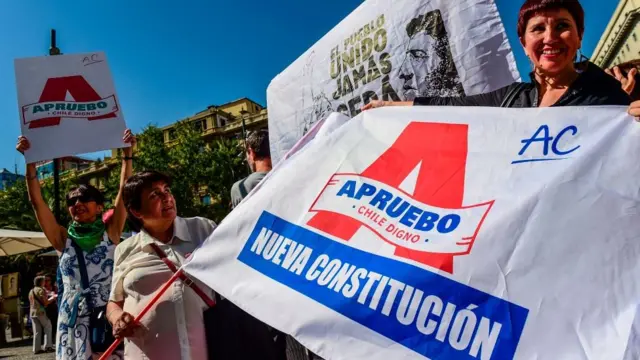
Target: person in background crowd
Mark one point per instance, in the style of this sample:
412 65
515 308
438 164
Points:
52 308
97 242
38 302
174 328
550 32
629 76
259 158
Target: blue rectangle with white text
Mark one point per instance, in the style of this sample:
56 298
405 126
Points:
426 312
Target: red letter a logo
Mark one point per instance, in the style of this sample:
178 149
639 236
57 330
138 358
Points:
56 90
442 149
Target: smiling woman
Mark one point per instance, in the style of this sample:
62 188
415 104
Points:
550 31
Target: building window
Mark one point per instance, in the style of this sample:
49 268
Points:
172 134
628 48
635 37
198 125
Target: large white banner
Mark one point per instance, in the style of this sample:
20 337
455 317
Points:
68 105
445 233
391 50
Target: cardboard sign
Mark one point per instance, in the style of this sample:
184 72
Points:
68 105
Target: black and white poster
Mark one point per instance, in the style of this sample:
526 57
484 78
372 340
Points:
391 50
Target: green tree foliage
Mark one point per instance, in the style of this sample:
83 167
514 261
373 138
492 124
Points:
197 169
225 164
15 209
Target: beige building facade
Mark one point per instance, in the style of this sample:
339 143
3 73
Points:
620 41
226 120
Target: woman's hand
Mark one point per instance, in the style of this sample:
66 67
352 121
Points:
628 82
634 109
23 144
374 104
125 326
381 103
130 139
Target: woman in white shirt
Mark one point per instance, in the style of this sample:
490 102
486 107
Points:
174 328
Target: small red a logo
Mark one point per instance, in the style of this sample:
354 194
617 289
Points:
56 89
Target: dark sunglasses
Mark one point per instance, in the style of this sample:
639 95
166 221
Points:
83 198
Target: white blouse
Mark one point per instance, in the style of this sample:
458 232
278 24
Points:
174 328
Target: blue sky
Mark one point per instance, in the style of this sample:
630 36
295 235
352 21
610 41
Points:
171 59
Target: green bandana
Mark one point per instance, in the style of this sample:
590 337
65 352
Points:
87 236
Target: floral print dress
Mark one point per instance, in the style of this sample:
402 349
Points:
72 339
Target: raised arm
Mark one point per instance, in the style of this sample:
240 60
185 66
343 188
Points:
117 221
55 233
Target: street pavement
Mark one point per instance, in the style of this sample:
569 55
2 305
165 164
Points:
21 349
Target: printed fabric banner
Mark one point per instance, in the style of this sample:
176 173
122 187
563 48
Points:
390 50
445 233
68 105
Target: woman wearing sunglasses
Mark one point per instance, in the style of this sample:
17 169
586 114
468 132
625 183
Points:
86 288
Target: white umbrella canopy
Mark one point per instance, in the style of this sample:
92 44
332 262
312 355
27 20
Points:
50 253
14 242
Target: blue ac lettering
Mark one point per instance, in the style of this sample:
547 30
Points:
549 142
554 145
545 139
397 207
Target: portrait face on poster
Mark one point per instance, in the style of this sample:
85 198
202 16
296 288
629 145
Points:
68 105
428 68
10 285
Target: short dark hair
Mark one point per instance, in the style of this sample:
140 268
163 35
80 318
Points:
532 7
89 190
132 192
430 22
258 141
